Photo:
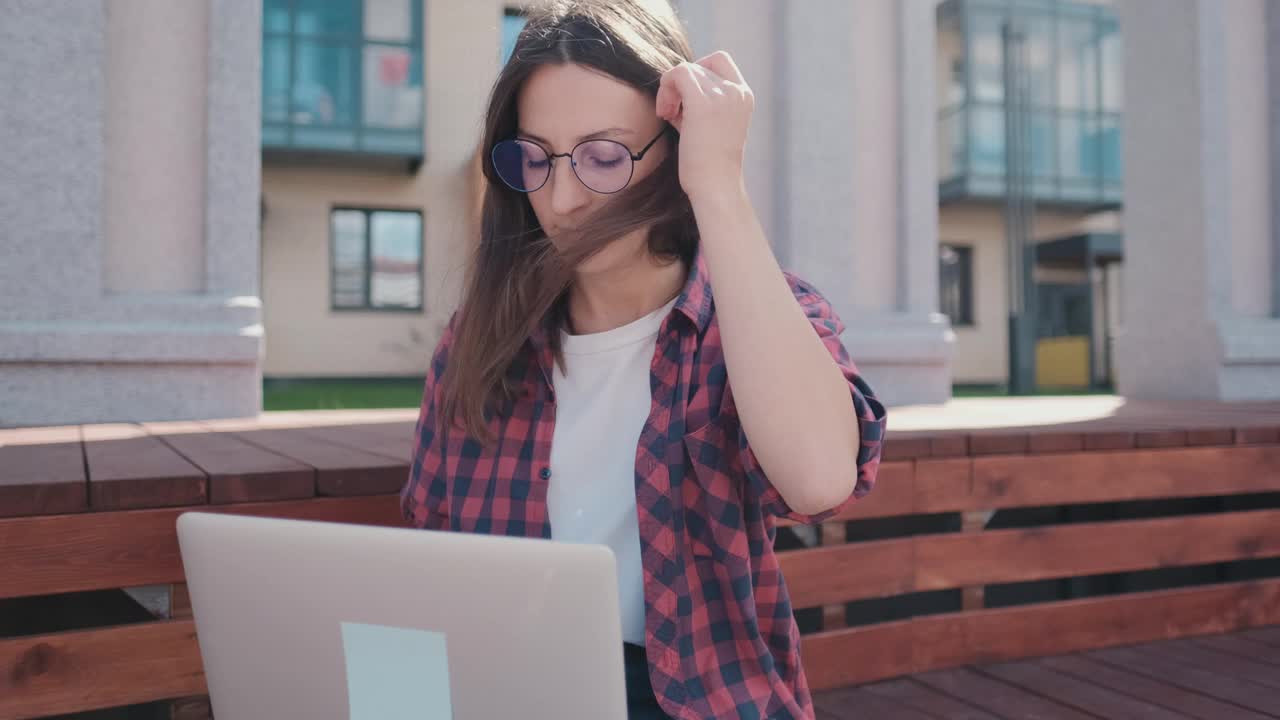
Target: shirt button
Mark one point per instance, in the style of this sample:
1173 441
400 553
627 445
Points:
545 473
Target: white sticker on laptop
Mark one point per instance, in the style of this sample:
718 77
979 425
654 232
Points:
395 673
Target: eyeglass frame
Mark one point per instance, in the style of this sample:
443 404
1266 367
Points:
551 160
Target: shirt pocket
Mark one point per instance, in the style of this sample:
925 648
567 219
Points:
712 494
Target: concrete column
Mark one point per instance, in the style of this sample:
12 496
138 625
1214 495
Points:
841 167
233 150
155 141
746 29
857 187
128 287
1273 97
52 70
1198 292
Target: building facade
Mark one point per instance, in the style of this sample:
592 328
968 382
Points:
371 117
198 194
1071 61
325 193
902 225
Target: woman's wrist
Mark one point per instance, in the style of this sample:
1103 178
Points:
724 201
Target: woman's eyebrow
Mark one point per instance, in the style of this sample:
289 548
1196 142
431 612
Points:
607 132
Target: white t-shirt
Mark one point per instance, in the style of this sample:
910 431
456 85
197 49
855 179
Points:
602 403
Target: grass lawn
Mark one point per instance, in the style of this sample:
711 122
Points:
325 394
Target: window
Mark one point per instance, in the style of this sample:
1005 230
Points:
376 260
1072 54
512 23
342 75
955 277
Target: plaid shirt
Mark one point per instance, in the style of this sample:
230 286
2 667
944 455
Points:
720 634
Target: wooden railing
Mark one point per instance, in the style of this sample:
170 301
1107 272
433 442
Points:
978 487
72 671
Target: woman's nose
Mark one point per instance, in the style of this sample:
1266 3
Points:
567 193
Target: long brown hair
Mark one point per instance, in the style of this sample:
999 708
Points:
518 280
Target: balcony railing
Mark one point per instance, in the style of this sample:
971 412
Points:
343 76
1073 63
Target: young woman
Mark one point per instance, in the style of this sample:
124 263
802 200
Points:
630 367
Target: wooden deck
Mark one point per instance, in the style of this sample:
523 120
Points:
1213 677
1000 530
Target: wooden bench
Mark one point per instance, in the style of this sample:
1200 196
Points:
91 508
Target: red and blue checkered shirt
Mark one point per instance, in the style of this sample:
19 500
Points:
720 634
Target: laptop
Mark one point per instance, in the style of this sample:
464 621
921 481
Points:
326 620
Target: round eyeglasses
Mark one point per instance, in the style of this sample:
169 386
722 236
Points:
604 166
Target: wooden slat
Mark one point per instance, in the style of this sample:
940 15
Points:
1055 441
69 672
1155 691
43 478
367 438
1076 693
926 699
340 470
840 573
999 442
949 445
839 658
1019 632
1161 439
130 469
188 708
857 703
973 522
180 602
1256 435
1211 436
833 615
1190 653
1240 647
1029 480
1108 440
1203 680
906 446
1266 636
69 553
998 697
238 471
966 559
943 485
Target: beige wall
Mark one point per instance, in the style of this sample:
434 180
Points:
982 350
305 337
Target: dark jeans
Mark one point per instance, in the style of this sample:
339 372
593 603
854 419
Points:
641 703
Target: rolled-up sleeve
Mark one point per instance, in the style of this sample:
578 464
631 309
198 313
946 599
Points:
870 412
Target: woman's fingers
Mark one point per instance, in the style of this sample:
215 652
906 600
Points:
722 64
678 87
